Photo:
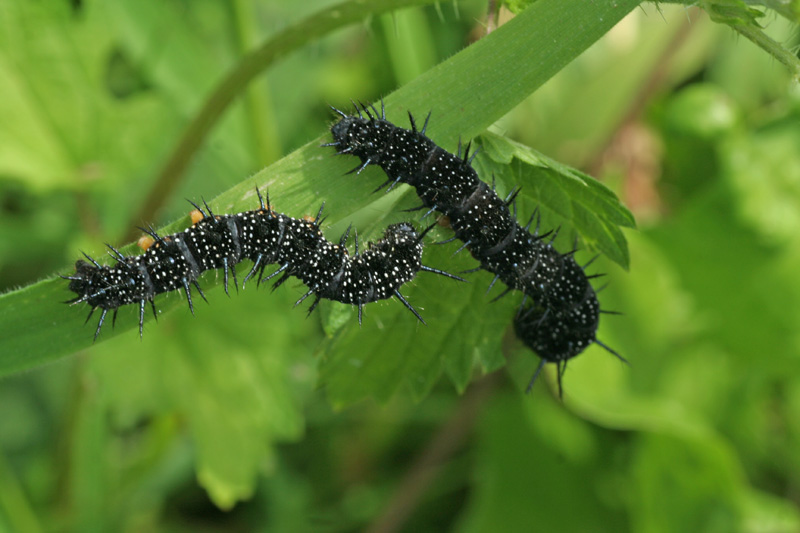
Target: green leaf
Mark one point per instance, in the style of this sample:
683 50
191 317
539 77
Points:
763 168
577 200
524 478
467 93
238 393
237 405
392 349
691 485
43 142
732 12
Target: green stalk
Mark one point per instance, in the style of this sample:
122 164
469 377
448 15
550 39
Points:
772 47
742 17
236 81
258 107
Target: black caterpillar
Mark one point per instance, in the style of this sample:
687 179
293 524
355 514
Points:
265 237
563 316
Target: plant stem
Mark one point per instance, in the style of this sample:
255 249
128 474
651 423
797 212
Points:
237 79
784 9
749 28
772 47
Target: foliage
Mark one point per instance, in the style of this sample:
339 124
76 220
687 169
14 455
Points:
213 422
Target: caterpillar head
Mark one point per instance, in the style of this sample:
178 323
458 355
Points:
559 336
89 283
105 287
362 137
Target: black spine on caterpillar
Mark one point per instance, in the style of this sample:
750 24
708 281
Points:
264 237
563 317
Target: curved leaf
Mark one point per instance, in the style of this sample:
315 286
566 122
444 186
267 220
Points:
467 92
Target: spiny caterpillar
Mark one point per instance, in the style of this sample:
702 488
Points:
562 317
264 237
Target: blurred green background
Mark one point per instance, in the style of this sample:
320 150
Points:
239 419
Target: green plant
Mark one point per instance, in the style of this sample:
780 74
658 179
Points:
88 156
